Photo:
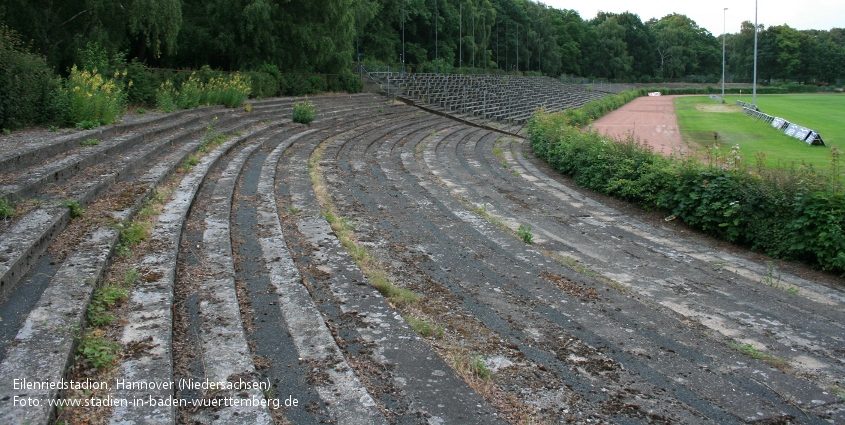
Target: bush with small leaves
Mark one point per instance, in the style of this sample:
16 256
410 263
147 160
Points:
304 112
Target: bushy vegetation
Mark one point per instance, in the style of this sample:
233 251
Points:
98 90
792 214
304 112
27 84
87 99
598 108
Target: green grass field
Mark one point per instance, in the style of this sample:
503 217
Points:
699 118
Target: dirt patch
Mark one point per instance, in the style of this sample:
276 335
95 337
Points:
650 120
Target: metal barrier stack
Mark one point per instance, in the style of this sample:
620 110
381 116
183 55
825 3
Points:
803 134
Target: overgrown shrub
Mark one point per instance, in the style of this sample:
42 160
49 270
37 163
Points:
318 83
166 97
190 94
793 214
27 84
350 82
144 85
297 84
87 99
304 112
230 90
263 85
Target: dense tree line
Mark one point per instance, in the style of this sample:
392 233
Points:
326 36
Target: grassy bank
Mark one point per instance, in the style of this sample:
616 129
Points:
793 214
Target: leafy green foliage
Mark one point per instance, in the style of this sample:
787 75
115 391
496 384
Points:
27 84
131 235
263 85
474 367
97 350
7 208
75 209
166 97
524 234
88 97
793 214
156 23
304 112
105 298
424 328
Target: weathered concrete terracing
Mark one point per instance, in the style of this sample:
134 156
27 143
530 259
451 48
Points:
606 316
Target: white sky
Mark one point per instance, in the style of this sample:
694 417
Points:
798 14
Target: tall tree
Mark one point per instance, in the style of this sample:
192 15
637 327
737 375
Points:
156 23
684 48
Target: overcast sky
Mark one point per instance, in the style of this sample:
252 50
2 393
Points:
799 14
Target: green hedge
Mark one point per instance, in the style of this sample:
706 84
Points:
778 89
795 215
27 84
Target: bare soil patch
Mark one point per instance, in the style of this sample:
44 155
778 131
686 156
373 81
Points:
651 120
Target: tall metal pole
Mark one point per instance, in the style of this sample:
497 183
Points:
461 38
754 88
498 64
517 48
724 31
436 51
403 37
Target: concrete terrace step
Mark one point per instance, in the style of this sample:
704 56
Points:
384 334
49 330
27 236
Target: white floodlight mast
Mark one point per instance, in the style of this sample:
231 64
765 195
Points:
724 34
754 88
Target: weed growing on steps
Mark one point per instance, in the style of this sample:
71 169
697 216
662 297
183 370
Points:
775 282
7 208
89 142
211 139
567 261
97 350
767 358
105 299
108 296
423 328
524 234
472 367
419 148
344 230
304 112
75 209
191 161
130 236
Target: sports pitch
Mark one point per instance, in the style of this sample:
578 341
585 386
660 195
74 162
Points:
704 123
